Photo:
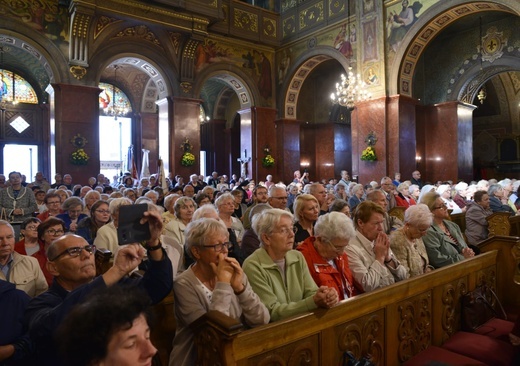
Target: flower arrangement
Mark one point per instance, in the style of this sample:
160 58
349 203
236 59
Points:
79 157
369 154
187 159
268 159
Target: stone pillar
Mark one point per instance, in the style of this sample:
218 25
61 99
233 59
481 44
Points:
214 143
264 134
447 129
402 136
369 117
76 112
288 148
184 124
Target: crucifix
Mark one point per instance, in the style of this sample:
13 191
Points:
243 163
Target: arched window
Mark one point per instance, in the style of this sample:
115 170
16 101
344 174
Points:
15 88
115 130
113 101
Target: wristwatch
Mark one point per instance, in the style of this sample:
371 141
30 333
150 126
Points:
157 247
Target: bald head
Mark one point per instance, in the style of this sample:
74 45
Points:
71 261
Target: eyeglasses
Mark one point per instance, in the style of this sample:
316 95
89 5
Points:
54 203
31 228
55 232
219 247
103 211
75 251
287 231
284 198
441 207
337 249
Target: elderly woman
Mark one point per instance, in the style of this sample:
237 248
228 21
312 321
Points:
370 258
184 208
325 254
404 197
53 202
48 231
497 199
226 207
460 199
278 274
356 197
340 192
340 205
89 226
73 208
169 202
444 190
476 213
213 282
17 202
443 241
306 211
31 245
406 242
414 192
90 198
107 234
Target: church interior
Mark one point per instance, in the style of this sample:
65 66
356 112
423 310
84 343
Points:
239 79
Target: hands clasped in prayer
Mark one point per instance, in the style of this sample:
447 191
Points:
326 297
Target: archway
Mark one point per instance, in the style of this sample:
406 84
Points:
227 99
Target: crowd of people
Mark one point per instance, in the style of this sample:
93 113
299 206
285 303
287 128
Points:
256 251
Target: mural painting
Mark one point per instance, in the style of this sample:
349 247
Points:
257 63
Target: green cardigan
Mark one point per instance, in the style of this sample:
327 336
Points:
440 248
283 300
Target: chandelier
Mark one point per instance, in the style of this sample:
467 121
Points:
351 90
5 99
118 106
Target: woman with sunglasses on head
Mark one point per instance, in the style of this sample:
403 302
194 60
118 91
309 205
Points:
89 226
214 282
326 257
444 241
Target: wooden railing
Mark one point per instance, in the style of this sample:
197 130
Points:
392 324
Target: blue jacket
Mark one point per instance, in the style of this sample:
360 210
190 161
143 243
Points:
46 312
12 308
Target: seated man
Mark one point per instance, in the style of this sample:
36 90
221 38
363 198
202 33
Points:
390 223
370 259
21 270
14 344
72 263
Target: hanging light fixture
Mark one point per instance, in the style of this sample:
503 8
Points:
350 90
117 107
482 94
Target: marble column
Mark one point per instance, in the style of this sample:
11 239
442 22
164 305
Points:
75 110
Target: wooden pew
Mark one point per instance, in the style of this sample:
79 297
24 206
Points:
459 219
499 223
514 221
392 324
102 258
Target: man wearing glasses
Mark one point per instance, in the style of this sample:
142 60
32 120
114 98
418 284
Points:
72 263
21 270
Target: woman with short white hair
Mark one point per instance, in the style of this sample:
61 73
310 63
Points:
325 254
406 242
278 274
225 204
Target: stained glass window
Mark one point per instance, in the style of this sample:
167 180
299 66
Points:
23 91
110 93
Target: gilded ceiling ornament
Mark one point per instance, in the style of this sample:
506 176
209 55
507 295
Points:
492 45
78 71
186 87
